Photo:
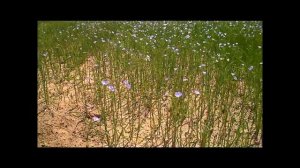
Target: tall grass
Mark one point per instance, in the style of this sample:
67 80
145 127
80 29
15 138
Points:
216 65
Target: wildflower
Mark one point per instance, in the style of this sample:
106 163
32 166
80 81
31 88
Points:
260 63
227 59
234 77
243 64
202 65
147 58
111 88
95 118
175 69
197 92
259 46
166 78
250 68
105 82
95 42
178 94
184 79
127 84
45 54
187 36
204 73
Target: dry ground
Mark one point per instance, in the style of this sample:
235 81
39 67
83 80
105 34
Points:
67 120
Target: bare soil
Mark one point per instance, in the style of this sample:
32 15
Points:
67 120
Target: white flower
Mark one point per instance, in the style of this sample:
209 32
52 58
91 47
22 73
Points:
202 65
204 73
147 58
96 118
45 54
227 59
233 74
187 36
250 68
235 78
184 79
197 92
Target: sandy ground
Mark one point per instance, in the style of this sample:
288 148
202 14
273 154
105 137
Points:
67 121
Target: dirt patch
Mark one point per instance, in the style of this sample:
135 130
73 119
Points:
67 121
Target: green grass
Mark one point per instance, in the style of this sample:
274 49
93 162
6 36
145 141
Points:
226 113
